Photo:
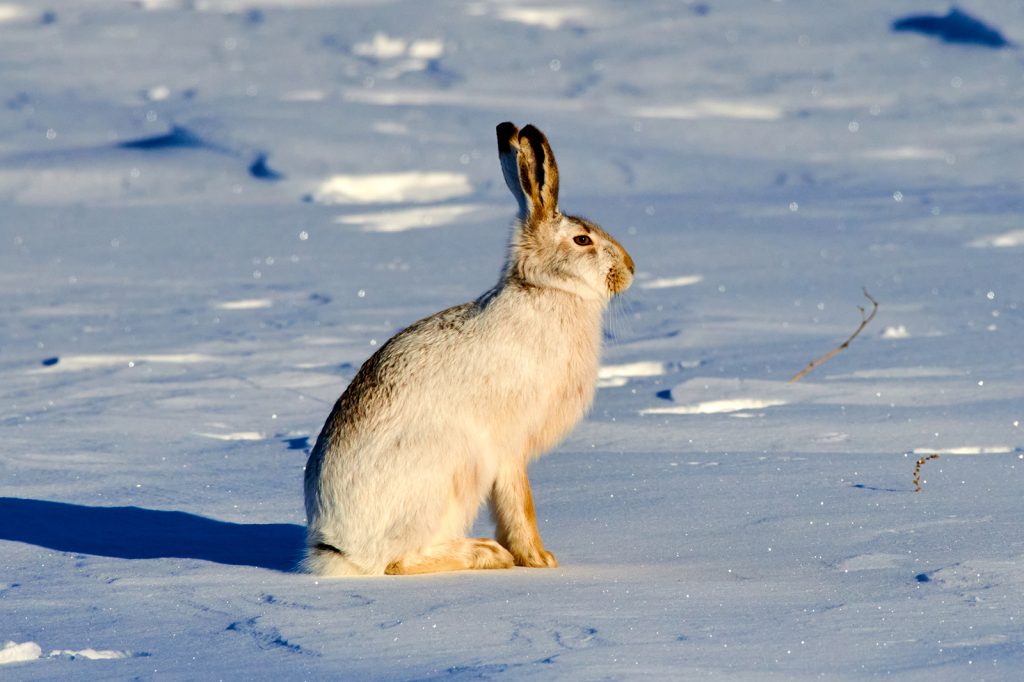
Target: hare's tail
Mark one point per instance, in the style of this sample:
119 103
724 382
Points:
330 562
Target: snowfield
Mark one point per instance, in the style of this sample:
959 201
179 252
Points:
212 211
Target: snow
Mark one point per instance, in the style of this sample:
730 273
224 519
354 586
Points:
712 109
1008 240
551 18
967 450
12 652
895 332
90 654
415 187
716 406
9 12
246 304
669 282
211 212
409 219
73 363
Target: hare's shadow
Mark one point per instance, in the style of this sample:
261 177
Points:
137 533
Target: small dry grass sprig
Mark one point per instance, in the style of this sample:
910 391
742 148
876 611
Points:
865 319
917 471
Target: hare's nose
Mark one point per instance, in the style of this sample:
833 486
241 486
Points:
629 261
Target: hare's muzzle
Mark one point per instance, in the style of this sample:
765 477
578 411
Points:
620 276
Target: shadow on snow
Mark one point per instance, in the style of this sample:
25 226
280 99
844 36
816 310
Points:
137 533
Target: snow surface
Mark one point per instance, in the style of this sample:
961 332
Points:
212 211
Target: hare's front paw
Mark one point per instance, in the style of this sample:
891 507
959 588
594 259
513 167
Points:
535 558
489 554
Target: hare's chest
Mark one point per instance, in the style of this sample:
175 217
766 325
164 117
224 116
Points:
537 373
563 389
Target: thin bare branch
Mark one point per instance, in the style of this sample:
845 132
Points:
917 471
865 319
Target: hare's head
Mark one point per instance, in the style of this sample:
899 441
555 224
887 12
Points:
550 249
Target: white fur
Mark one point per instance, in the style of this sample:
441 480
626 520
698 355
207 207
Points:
460 402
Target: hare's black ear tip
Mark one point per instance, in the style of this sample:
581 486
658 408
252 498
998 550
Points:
533 135
507 132
531 132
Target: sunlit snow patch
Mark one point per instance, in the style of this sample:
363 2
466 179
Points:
966 450
905 153
551 18
669 282
237 435
381 47
12 652
1007 240
896 332
158 93
91 654
414 186
434 97
160 4
716 406
613 376
994 639
69 309
12 12
708 395
246 304
875 388
407 219
304 96
385 47
398 55
712 109
899 373
80 362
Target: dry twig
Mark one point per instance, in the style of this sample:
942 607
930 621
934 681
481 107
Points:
865 318
917 471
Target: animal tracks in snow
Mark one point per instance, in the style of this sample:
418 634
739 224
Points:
974 578
577 637
266 638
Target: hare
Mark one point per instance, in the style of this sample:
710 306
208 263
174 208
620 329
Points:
450 411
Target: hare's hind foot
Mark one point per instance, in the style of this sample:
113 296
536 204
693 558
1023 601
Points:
455 555
536 558
329 562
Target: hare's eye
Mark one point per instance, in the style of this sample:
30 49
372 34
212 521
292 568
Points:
583 240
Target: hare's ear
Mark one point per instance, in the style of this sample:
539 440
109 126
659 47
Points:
508 154
538 173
